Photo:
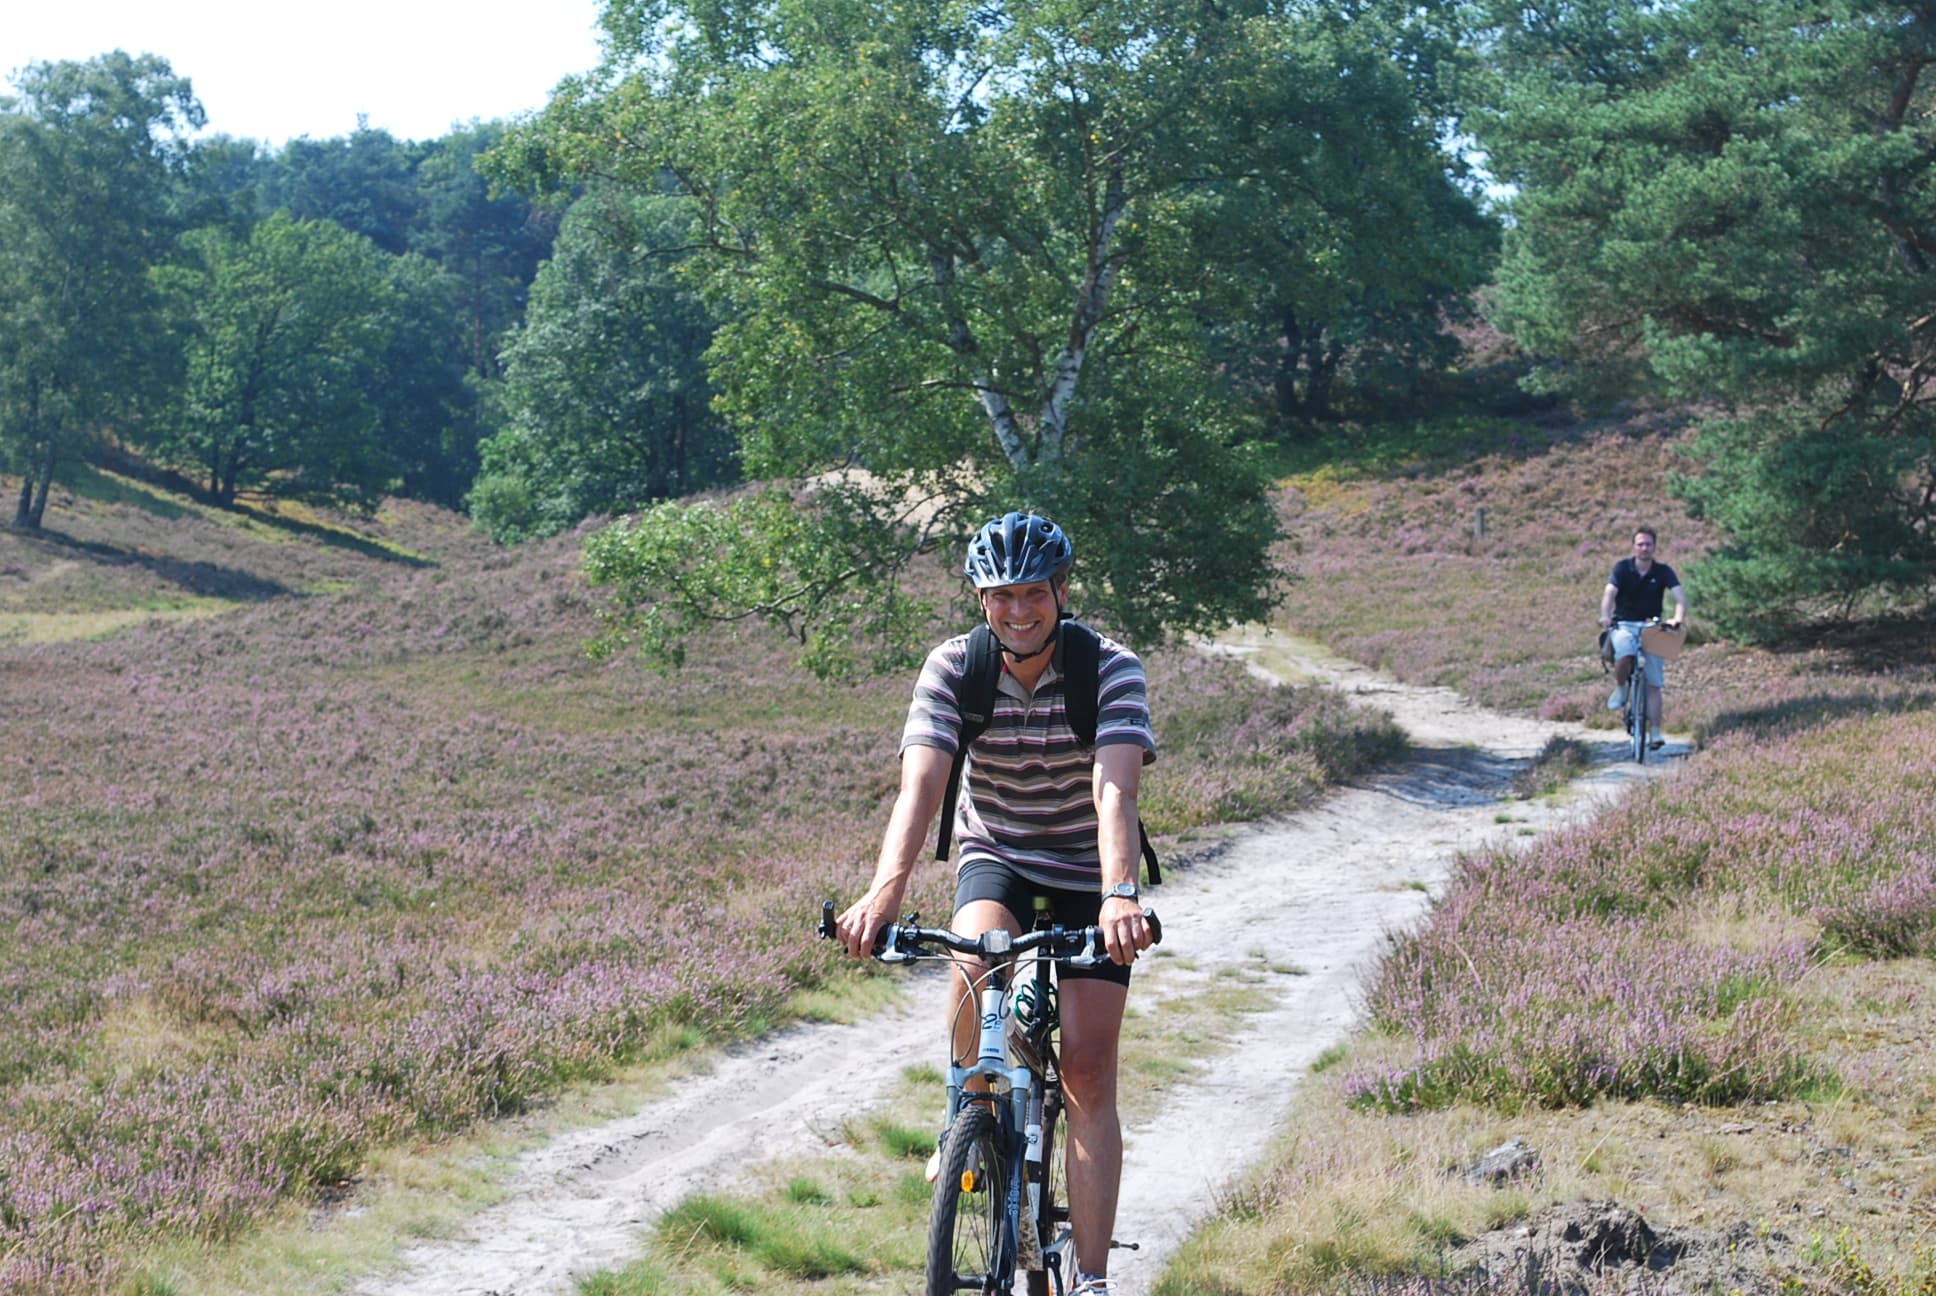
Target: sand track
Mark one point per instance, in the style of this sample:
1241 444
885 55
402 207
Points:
1318 890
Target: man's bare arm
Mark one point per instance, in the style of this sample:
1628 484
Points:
924 782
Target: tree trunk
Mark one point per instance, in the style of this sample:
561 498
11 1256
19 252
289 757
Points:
1289 403
25 516
46 473
1321 362
36 477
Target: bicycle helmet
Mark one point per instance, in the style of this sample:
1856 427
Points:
1016 549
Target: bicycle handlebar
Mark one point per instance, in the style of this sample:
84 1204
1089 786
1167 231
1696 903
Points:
903 941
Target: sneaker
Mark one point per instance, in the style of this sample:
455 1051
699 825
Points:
1090 1285
1618 698
933 1170
1656 743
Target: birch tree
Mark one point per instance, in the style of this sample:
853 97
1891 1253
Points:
965 255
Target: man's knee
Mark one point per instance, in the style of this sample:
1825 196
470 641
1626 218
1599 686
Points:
1088 1077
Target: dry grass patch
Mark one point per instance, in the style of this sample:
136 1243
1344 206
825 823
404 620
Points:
1831 1186
77 627
1743 920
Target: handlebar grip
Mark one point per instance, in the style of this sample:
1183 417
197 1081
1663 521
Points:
883 938
1098 951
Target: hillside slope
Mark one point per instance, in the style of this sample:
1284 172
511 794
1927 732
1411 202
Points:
326 834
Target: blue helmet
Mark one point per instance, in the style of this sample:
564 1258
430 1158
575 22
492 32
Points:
1018 549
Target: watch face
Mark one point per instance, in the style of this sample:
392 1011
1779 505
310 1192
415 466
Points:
1126 890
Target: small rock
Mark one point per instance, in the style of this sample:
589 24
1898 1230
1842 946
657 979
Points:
1505 1163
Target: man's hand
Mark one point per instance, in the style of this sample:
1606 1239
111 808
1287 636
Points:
1124 929
865 919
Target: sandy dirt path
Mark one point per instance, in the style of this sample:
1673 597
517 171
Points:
1319 890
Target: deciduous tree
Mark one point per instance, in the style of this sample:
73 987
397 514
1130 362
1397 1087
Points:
606 401
957 249
86 156
284 335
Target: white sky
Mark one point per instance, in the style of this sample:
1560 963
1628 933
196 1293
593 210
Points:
272 72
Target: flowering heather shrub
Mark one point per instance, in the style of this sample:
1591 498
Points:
1228 753
372 865
1565 973
1558 762
1393 574
1895 918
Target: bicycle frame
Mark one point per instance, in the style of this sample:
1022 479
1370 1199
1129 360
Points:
1637 687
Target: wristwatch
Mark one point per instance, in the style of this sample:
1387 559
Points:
1122 891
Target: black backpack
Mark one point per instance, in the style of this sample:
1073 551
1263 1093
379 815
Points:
1081 683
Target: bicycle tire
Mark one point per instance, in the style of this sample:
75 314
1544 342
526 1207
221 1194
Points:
1052 1203
968 1246
1638 705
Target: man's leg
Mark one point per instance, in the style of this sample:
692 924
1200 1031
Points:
1092 1027
1626 642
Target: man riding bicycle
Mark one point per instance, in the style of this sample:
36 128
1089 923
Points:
1635 594
1042 814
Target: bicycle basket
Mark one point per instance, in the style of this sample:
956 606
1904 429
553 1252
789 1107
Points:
1659 641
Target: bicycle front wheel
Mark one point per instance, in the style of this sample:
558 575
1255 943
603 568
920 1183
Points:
1638 723
968 1248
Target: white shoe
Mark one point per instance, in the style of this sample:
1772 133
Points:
1091 1286
1618 698
933 1171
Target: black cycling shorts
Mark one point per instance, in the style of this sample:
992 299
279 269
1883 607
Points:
987 879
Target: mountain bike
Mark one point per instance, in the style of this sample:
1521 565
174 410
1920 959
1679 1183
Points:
1000 1199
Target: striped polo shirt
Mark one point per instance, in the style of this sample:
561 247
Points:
1027 797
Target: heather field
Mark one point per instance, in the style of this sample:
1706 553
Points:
1708 1011
1392 571
322 836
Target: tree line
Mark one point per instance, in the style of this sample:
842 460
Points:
333 321
906 263
1056 252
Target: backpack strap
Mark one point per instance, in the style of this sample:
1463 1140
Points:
979 677
1081 696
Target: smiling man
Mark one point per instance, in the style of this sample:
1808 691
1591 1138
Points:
1045 814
